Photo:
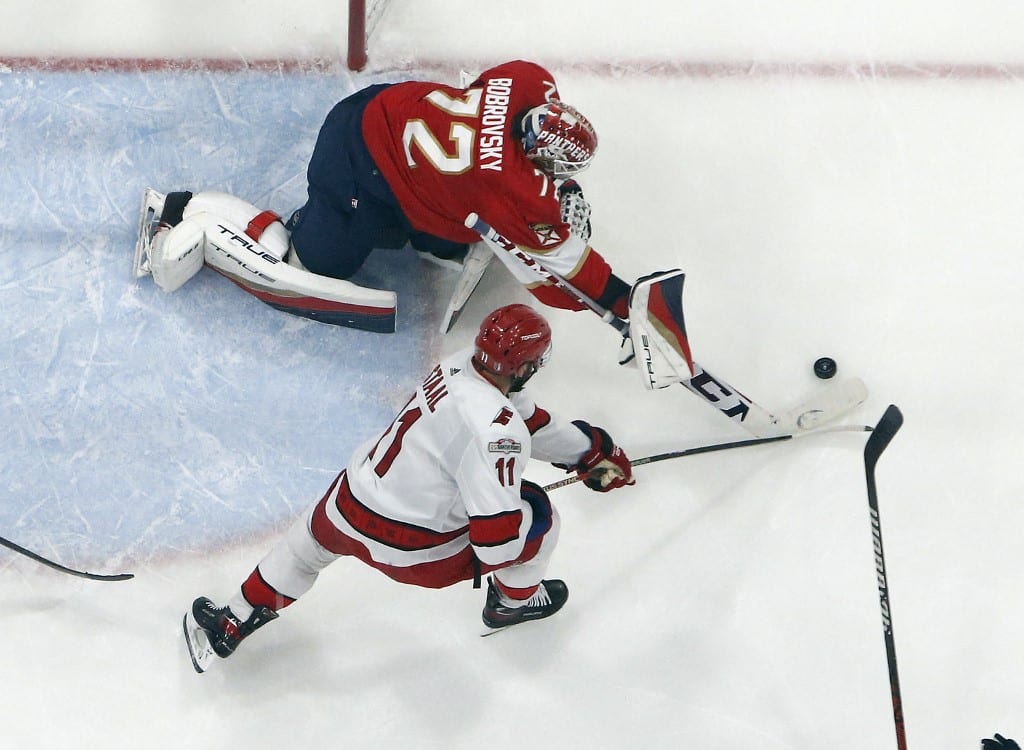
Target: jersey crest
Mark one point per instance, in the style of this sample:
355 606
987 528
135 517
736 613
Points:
504 416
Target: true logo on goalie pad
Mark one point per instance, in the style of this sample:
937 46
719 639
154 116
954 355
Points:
247 244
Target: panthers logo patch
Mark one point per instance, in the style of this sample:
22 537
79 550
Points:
547 235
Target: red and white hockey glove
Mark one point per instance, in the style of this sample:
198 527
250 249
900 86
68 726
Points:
605 466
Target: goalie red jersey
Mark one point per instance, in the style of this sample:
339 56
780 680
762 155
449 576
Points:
448 152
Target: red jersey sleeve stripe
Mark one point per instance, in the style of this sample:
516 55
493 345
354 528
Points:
496 530
538 420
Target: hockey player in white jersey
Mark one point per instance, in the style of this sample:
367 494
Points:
439 497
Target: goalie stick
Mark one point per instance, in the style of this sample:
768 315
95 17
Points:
882 435
57 566
827 405
712 448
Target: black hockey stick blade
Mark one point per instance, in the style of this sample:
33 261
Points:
881 436
57 566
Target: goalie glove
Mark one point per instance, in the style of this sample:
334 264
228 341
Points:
604 466
575 209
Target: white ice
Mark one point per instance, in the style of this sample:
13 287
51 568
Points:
726 600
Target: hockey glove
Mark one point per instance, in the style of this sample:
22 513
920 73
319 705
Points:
999 743
605 466
575 209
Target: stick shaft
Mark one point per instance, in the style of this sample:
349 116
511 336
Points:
712 448
728 400
883 433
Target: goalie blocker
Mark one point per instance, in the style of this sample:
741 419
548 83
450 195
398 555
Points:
658 336
179 233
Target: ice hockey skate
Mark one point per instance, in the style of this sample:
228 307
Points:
211 630
499 612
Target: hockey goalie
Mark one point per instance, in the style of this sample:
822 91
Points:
403 164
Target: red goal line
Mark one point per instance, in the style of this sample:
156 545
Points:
620 67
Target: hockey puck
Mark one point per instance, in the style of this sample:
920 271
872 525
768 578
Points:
825 368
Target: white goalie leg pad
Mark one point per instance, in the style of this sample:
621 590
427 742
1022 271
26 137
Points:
250 247
262 273
658 331
177 254
262 226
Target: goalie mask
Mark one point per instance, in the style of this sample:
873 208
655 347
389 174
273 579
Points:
511 337
558 139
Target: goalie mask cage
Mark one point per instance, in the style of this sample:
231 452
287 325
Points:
363 16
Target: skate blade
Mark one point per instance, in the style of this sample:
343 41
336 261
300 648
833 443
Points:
149 217
198 643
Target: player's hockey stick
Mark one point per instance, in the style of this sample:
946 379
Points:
827 405
712 448
882 435
57 566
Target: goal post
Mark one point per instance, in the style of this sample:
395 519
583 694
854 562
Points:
363 16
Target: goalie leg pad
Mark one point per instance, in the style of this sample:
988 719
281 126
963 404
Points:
282 285
176 255
261 226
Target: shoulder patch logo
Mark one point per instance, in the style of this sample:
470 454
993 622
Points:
505 445
547 235
504 416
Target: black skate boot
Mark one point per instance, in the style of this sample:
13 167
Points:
548 599
210 630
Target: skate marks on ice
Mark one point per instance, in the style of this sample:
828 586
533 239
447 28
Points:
142 424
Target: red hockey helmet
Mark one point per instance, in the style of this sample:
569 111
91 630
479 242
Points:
558 139
510 337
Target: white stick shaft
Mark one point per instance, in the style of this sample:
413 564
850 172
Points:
713 390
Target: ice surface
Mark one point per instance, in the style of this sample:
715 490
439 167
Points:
141 422
727 600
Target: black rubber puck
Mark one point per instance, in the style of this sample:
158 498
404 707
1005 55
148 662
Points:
825 368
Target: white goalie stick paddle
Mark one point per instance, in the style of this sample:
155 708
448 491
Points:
828 404
713 448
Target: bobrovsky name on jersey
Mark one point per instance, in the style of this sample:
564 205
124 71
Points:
493 118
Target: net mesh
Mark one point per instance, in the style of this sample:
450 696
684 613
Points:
374 11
